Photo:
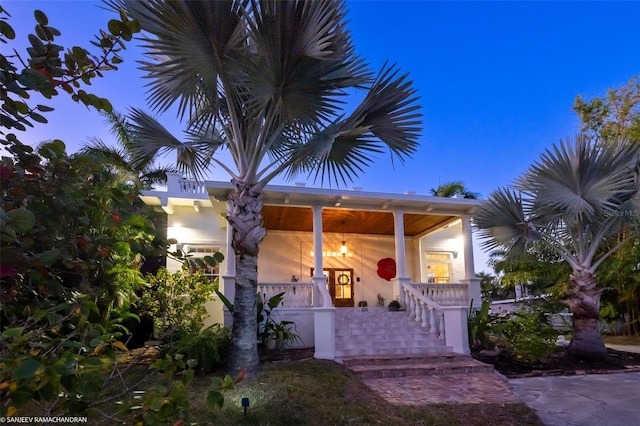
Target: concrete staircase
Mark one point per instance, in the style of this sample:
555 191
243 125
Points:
377 331
377 344
393 366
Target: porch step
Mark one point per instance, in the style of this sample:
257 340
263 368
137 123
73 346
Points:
377 331
388 366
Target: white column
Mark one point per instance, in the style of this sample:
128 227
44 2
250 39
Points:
401 267
469 268
473 283
319 281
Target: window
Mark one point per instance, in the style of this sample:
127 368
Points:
438 267
199 252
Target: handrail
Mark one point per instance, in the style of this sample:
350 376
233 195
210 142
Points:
421 309
408 288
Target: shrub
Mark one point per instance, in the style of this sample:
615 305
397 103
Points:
177 301
479 326
208 347
528 336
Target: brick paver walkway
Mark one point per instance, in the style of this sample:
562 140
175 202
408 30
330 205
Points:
455 388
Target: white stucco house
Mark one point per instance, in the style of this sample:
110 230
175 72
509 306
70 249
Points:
333 251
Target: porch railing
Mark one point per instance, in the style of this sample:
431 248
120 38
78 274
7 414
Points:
423 310
445 294
296 295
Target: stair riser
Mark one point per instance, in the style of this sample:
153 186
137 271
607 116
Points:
396 351
398 360
412 372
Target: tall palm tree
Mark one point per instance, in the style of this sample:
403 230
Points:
571 200
120 157
265 80
453 189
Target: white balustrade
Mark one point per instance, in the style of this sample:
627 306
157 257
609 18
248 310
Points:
189 186
296 295
445 294
424 310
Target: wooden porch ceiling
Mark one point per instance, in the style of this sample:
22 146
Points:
291 218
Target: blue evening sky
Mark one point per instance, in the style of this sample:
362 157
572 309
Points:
497 80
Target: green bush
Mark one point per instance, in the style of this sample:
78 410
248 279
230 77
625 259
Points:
177 301
528 336
208 347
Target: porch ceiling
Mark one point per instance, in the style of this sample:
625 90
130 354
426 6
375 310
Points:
288 209
283 218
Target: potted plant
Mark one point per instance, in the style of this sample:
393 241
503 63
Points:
394 305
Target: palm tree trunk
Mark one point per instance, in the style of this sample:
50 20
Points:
244 213
584 302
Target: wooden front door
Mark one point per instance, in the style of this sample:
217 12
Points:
340 286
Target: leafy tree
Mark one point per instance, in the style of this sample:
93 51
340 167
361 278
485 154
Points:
605 118
67 251
614 116
265 80
539 268
570 201
493 288
453 189
49 68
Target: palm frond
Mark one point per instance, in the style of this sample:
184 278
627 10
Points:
304 59
386 118
187 43
150 139
583 182
502 222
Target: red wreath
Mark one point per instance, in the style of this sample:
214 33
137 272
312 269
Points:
387 268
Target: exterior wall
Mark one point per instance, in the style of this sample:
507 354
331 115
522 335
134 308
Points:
449 240
189 227
284 254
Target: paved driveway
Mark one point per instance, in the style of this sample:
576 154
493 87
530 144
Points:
587 400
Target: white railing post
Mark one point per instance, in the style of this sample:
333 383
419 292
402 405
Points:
324 329
456 330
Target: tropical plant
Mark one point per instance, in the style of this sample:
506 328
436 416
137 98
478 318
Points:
527 336
478 325
176 302
606 118
453 189
119 156
570 201
265 80
209 347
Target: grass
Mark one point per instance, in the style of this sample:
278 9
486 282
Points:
309 392
315 392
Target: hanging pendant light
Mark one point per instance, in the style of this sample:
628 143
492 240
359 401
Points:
343 247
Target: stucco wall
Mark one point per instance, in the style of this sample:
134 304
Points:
448 240
189 227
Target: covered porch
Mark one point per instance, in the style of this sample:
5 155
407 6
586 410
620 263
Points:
361 236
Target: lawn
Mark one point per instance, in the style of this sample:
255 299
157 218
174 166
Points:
315 392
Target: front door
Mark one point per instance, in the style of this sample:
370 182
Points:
340 286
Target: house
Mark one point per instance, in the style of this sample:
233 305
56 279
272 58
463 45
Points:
334 251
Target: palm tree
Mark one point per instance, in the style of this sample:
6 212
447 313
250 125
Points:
453 189
265 80
571 200
120 156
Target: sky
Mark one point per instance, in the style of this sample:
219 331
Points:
496 80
